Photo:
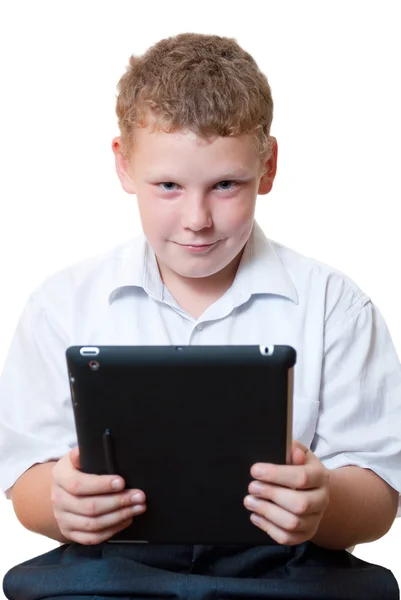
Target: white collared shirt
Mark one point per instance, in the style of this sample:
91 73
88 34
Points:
347 380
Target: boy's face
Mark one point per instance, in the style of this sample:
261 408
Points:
196 199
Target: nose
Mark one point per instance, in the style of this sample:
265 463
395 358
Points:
196 213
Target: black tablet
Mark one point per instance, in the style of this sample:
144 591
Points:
184 424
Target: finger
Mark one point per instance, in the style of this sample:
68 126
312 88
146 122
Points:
298 456
296 444
298 502
298 453
85 484
74 458
281 536
85 538
279 516
78 483
92 506
308 476
111 520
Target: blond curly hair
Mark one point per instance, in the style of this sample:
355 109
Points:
206 84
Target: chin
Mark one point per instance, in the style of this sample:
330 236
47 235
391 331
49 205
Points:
196 273
202 271
197 267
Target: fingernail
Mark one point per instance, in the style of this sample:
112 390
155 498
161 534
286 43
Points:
250 501
257 470
255 487
255 519
137 509
136 497
117 484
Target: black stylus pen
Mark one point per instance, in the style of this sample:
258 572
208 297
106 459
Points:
108 452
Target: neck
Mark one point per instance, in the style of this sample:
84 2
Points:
195 295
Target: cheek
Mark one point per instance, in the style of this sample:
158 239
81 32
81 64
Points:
156 216
237 216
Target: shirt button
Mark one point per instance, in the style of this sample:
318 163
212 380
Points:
199 327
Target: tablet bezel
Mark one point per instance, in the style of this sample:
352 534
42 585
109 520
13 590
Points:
85 361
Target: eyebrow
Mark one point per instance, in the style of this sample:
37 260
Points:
235 174
238 174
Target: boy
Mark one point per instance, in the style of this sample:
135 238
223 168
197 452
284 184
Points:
195 147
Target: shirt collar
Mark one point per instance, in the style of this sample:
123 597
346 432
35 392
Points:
260 271
131 266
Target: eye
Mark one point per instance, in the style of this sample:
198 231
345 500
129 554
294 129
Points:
169 185
227 185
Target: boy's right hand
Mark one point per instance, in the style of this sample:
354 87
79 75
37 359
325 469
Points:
87 508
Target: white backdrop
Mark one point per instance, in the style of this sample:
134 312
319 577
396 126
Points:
334 71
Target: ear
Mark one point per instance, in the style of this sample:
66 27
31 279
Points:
266 181
122 167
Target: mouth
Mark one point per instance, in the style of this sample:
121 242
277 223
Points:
197 247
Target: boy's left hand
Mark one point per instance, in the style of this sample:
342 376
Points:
288 501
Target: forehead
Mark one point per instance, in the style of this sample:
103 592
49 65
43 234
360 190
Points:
186 147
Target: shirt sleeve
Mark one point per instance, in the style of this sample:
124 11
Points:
36 420
360 416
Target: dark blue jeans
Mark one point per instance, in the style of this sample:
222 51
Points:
129 571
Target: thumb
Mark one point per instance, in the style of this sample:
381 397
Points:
74 458
298 454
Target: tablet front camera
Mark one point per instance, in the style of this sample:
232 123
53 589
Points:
266 350
94 365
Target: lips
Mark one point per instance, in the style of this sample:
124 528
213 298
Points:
197 245
197 248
